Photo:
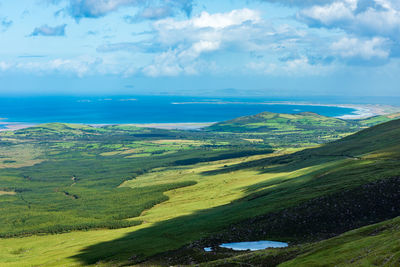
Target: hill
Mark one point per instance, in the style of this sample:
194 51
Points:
304 129
323 192
276 122
287 130
183 206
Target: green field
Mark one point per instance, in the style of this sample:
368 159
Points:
75 195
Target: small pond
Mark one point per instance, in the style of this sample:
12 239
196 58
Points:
256 245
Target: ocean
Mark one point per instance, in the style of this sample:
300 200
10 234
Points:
144 109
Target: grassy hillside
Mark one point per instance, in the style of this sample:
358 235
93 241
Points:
197 190
285 123
374 245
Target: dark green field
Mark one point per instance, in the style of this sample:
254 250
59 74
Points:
79 195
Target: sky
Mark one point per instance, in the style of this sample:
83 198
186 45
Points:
193 47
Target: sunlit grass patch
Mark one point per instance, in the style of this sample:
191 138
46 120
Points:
253 140
178 141
7 193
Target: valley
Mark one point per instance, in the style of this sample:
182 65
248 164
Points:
124 195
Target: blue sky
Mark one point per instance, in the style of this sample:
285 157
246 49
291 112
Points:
269 47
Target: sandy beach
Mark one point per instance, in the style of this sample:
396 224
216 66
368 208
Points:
13 126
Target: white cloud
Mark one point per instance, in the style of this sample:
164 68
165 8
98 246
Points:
237 31
364 49
328 15
216 21
187 40
361 17
371 28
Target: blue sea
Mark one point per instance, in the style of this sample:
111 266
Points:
144 109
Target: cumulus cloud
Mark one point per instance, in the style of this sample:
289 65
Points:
191 46
206 32
361 17
46 30
371 28
149 9
211 41
241 32
186 40
216 21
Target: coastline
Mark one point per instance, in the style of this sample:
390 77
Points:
361 111
13 126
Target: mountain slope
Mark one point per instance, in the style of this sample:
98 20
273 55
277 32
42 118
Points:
290 186
374 245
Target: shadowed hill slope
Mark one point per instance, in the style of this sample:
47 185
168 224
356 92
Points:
381 141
